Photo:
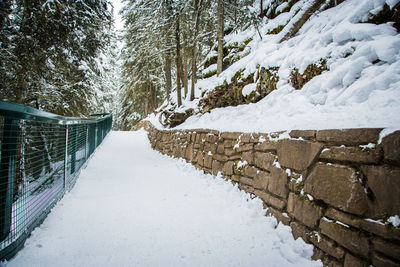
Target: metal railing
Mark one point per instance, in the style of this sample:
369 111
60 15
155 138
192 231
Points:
40 157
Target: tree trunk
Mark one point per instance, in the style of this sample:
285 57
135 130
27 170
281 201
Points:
178 62
261 9
19 93
154 88
151 102
23 59
168 53
220 36
185 56
185 72
146 101
298 24
194 70
197 7
167 69
22 87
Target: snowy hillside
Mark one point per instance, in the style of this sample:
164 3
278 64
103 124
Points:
360 88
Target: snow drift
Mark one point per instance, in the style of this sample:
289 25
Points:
360 89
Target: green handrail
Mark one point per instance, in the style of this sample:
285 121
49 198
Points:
17 111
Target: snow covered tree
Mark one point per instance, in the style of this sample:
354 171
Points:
160 30
158 33
142 56
48 51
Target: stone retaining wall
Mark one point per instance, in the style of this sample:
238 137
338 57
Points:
335 188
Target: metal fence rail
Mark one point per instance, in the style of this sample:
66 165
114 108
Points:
40 157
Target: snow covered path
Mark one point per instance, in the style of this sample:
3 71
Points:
132 206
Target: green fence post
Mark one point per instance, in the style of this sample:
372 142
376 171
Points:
66 156
7 173
92 138
73 148
86 142
96 139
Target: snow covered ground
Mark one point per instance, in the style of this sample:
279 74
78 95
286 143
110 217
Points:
361 88
133 206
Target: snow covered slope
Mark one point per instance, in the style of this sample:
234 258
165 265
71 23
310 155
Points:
360 89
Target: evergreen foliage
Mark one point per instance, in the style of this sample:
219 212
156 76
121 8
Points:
156 49
51 53
63 56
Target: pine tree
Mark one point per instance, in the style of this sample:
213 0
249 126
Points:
163 32
49 60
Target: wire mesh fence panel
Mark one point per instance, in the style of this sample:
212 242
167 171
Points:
39 172
76 151
92 138
41 155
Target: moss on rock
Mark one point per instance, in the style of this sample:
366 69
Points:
209 74
227 94
298 80
276 30
271 12
267 80
210 61
387 15
231 94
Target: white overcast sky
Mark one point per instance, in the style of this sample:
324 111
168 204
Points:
118 20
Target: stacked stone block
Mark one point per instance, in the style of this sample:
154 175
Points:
336 189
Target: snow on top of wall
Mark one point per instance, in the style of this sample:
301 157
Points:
361 88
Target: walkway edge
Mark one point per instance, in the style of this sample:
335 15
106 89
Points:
291 171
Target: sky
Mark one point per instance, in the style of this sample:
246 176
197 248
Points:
118 19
